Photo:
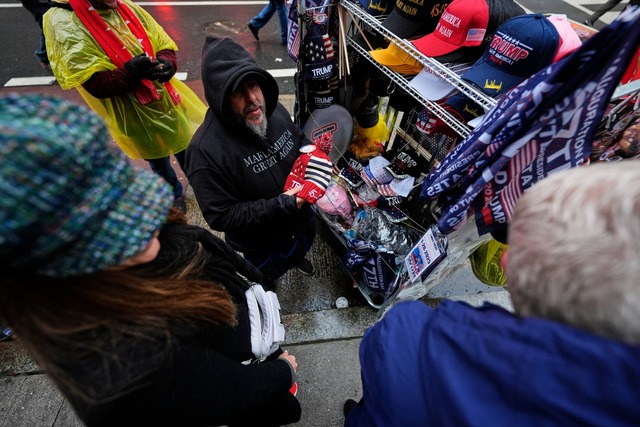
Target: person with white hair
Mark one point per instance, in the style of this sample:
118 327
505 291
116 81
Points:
582 228
569 353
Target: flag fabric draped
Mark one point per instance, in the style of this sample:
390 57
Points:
544 125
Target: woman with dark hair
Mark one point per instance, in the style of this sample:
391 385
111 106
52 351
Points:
138 319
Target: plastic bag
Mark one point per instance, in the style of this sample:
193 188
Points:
374 264
486 265
372 225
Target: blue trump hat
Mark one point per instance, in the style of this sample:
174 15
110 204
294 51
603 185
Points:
520 47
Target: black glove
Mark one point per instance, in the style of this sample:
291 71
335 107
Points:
141 66
163 72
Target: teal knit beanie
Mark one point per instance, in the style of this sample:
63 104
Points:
70 201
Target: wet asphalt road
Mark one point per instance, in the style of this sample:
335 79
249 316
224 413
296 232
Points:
187 23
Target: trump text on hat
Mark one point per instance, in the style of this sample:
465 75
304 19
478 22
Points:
505 48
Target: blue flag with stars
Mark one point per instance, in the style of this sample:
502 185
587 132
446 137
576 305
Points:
544 125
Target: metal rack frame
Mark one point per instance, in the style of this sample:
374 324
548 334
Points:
464 241
402 283
433 65
460 128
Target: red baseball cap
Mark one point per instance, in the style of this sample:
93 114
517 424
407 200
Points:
462 24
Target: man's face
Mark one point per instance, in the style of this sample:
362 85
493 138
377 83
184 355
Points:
247 103
104 4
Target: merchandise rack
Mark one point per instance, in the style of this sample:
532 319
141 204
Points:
460 128
465 241
436 67
402 287
461 243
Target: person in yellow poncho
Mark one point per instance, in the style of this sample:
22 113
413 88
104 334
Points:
122 63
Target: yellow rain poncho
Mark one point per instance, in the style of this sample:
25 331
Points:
150 131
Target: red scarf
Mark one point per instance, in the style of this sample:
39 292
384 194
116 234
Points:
116 50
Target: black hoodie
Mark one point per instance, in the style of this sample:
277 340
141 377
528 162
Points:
238 179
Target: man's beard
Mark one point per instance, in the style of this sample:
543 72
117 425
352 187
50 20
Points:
260 130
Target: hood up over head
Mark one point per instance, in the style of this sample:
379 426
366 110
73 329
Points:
225 65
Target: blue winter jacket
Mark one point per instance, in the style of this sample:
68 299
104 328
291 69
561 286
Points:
463 366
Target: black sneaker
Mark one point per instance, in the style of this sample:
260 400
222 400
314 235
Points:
588 22
348 406
306 268
253 30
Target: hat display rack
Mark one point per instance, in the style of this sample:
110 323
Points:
451 121
305 14
360 17
316 118
351 18
351 41
401 287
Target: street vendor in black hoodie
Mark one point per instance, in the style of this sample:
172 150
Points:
239 159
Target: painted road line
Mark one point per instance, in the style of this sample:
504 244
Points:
525 9
282 72
607 18
49 80
30 81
